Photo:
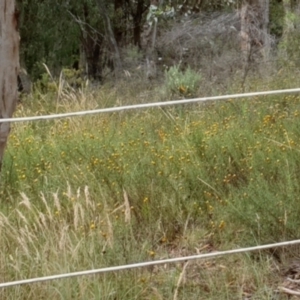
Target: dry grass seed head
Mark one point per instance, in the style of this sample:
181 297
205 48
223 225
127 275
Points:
127 207
41 221
48 72
63 237
110 231
29 234
26 236
69 191
23 244
22 216
47 207
26 201
75 248
78 193
78 215
56 201
60 87
88 201
4 222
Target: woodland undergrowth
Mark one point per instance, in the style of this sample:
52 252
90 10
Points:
112 189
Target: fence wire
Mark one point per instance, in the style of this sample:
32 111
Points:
147 264
154 262
148 105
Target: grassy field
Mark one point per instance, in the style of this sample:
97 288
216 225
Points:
112 189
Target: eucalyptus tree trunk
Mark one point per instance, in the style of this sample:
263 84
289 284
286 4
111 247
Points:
254 34
111 37
150 40
137 19
254 27
9 62
265 5
120 21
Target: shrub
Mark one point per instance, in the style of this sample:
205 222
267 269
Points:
182 83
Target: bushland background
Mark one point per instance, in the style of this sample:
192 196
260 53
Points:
91 192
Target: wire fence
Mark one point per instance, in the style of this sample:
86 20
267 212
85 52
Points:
154 262
148 263
149 105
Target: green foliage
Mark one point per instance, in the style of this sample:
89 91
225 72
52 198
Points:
289 46
113 189
73 77
69 79
132 57
276 18
57 33
107 190
45 84
50 33
183 83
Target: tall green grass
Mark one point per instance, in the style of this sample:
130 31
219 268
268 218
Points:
96 191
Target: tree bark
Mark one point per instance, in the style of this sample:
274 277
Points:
92 43
254 27
120 21
254 34
9 60
265 5
150 41
137 18
111 37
